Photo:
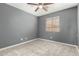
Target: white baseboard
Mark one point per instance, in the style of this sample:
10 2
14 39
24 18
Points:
39 39
58 42
17 44
61 43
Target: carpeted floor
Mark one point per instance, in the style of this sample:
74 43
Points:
40 47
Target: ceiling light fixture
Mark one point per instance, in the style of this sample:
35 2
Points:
40 6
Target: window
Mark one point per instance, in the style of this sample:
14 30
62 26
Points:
52 24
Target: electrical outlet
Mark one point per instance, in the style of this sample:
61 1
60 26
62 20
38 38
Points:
51 37
21 39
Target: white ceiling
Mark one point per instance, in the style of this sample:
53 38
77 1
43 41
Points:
51 8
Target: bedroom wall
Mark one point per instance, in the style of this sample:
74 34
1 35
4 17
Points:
68 26
16 24
78 25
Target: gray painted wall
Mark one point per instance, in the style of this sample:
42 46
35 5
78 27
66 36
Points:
78 24
68 26
16 24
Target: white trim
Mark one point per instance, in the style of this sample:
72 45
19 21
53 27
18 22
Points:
58 42
40 39
62 43
17 44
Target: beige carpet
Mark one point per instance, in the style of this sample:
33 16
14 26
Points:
41 47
